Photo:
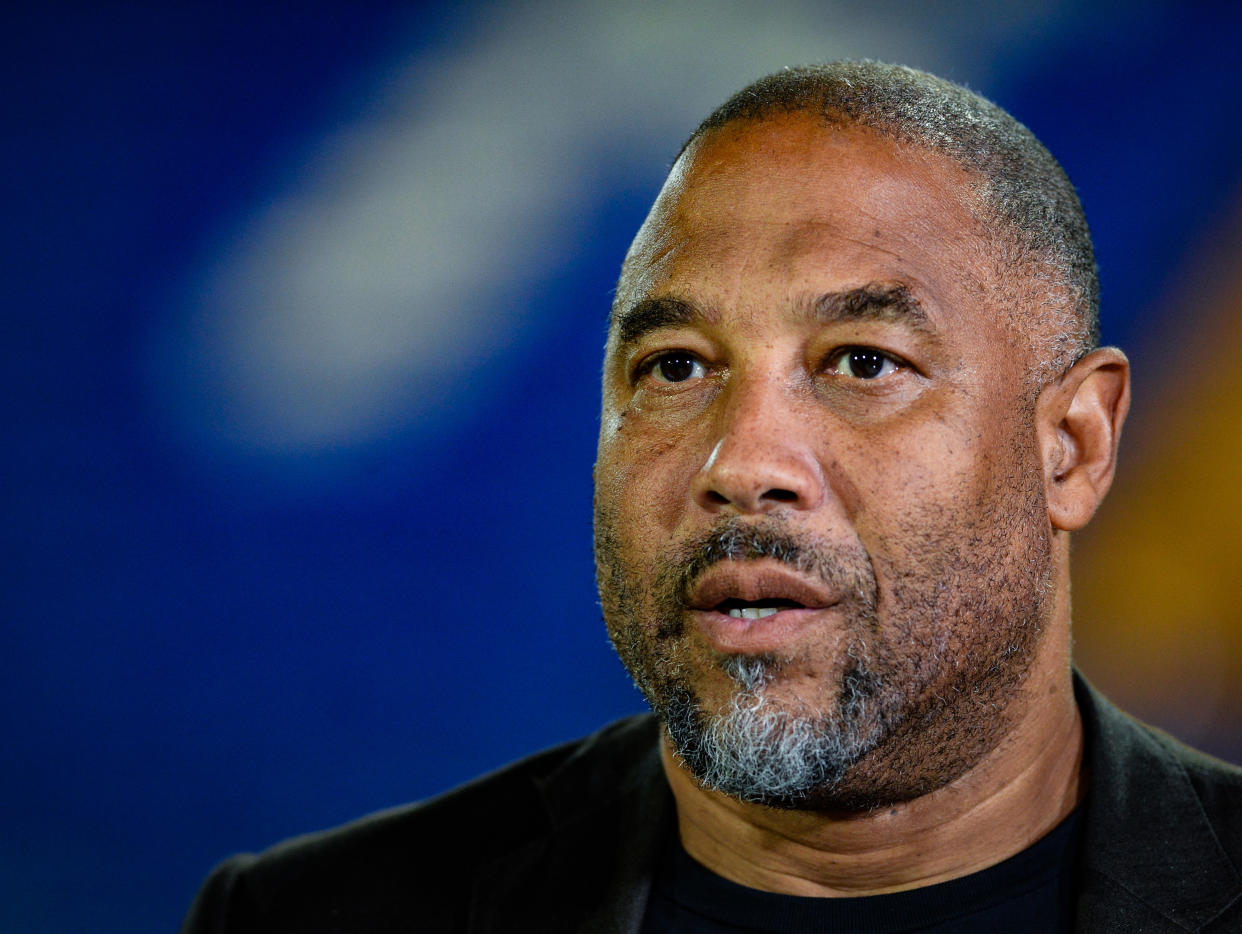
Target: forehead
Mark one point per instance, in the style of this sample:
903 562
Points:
757 213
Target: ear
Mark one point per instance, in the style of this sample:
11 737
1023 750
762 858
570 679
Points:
1079 419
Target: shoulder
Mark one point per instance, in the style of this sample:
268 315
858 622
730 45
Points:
1163 831
1217 786
418 860
1136 761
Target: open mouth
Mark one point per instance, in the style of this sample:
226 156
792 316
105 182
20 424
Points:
745 607
755 609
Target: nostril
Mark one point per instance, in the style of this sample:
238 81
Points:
781 496
758 478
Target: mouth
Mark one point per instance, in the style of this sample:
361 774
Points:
755 609
757 606
757 589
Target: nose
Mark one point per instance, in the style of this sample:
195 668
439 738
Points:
764 456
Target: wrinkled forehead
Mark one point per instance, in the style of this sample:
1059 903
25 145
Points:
760 198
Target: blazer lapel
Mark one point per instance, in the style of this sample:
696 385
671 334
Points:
591 871
1151 860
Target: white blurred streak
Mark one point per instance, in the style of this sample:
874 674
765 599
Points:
404 254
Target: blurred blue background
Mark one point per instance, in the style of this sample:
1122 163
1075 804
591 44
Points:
303 313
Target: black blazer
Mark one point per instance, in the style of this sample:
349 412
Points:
567 839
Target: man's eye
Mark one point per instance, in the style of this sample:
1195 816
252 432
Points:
675 367
864 363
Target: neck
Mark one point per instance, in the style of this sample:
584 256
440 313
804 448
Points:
1013 796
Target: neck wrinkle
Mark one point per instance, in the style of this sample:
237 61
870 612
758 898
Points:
1010 799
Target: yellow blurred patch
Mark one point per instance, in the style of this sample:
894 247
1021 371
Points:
1158 575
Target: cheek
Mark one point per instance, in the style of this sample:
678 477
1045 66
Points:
643 477
932 482
892 473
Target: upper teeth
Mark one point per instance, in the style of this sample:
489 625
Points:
752 612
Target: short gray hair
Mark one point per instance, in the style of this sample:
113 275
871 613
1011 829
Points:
1020 183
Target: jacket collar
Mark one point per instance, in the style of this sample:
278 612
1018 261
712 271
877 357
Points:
607 810
1151 860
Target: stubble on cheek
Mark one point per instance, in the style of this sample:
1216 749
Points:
622 596
965 619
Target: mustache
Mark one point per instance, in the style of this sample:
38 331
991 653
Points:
843 569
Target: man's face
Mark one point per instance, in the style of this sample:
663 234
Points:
822 543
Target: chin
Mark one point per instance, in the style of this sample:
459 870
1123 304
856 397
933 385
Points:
871 745
761 746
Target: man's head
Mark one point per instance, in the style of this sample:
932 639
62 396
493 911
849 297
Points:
839 447
1019 191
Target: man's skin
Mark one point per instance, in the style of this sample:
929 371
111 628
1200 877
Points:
943 473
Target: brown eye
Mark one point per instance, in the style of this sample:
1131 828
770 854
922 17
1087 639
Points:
864 363
677 367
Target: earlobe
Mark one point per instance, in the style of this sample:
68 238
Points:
1079 423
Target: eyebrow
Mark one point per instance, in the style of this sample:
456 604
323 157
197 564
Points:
652 314
875 301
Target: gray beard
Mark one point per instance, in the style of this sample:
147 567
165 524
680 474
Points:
916 703
760 751
755 746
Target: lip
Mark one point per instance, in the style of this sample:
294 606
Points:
774 633
756 581
763 579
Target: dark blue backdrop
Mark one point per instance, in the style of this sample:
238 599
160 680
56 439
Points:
210 646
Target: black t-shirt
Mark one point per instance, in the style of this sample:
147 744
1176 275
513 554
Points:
1029 893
